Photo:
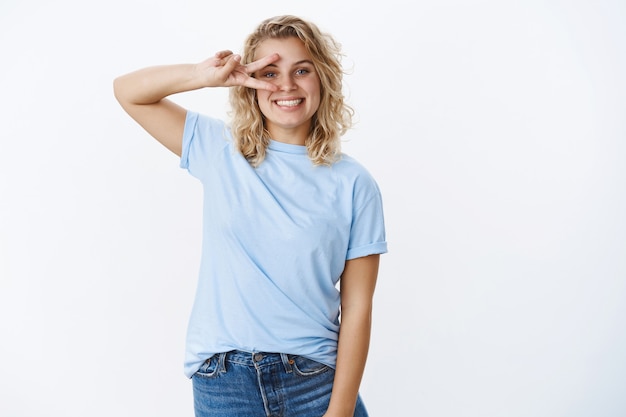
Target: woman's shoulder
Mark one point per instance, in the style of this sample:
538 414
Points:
203 139
205 127
349 164
205 120
352 169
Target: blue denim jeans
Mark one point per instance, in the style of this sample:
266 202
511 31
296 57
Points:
244 384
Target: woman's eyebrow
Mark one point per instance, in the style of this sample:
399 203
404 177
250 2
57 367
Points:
304 61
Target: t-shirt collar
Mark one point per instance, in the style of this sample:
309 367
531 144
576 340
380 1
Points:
287 147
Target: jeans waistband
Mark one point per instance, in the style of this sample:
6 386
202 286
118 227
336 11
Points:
256 359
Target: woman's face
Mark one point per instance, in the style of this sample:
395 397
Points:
288 111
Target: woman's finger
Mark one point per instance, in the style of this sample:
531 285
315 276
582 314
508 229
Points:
261 63
224 53
259 84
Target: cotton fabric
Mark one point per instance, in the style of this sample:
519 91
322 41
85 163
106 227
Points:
275 242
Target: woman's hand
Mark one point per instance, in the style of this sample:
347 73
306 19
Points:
225 70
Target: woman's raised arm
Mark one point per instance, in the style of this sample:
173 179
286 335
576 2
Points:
143 93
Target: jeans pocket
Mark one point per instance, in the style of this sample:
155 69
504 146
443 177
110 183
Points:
308 367
210 367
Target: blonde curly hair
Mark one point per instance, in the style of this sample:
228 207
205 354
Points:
333 117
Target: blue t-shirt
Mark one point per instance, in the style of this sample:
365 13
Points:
275 242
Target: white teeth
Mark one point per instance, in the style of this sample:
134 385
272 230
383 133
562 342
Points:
289 103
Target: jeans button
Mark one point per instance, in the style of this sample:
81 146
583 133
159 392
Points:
257 357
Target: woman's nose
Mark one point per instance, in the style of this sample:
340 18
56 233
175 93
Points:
287 84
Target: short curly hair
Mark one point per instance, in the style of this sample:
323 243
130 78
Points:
333 117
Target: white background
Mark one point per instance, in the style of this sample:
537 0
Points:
496 131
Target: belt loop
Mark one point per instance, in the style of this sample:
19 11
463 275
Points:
221 365
287 362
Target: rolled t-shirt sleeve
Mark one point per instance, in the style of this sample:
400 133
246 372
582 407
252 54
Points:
203 138
188 134
367 233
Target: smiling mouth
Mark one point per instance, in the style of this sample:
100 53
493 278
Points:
288 103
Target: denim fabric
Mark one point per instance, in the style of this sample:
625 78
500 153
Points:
244 384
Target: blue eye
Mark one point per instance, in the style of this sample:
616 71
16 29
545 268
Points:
302 71
269 75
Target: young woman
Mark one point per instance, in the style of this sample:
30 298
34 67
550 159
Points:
287 217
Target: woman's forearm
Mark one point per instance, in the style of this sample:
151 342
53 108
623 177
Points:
354 339
358 282
152 84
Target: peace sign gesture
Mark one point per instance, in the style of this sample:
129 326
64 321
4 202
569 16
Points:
143 93
224 69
